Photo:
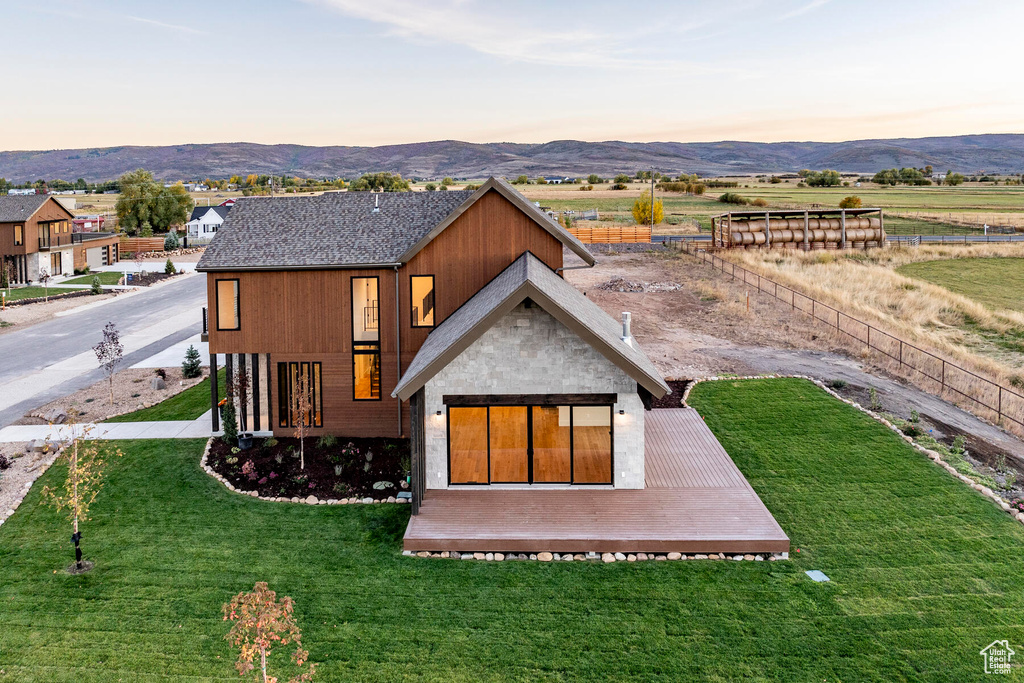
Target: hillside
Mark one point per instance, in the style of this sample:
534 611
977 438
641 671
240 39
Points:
965 153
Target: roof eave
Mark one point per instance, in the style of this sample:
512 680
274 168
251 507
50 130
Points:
517 199
340 266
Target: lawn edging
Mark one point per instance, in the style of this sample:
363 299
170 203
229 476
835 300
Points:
39 471
309 500
934 456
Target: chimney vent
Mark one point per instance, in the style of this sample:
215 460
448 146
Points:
627 334
376 203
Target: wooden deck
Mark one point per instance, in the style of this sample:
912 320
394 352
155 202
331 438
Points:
695 501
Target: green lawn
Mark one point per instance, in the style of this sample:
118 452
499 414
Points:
106 278
925 573
188 405
995 282
31 292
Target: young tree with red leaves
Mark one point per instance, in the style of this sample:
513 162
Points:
260 623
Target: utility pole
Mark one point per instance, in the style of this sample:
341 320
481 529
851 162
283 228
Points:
652 201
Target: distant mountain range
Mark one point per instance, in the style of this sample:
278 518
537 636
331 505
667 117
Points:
964 153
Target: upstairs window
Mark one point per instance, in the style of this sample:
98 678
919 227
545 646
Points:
228 311
422 298
365 339
19 235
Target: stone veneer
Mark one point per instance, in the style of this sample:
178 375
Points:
530 352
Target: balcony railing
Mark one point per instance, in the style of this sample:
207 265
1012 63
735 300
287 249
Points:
206 326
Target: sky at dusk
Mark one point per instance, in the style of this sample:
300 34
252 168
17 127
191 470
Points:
358 72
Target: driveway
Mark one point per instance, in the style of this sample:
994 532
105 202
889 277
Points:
54 358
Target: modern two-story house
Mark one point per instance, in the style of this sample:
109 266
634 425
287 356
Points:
35 237
442 317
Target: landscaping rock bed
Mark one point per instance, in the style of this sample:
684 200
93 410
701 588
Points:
619 284
349 469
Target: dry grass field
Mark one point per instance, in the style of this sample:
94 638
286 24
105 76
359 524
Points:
873 286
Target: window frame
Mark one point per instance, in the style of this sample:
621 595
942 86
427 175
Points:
238 303
576 400
285 395
433 292
19 235
365 348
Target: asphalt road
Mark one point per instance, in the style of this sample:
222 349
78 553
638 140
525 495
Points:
149 315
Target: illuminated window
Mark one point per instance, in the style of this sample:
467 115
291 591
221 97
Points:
422 298
365 339
19 235
228 311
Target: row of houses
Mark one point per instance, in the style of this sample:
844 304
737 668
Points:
37 239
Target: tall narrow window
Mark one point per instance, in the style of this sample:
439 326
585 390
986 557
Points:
294 379
19 235
422 300
228 308
365 339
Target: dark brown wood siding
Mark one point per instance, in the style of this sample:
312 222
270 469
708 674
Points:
467 255
306 314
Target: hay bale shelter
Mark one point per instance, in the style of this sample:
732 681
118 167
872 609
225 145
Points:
798 229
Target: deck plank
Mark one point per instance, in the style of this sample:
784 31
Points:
695 500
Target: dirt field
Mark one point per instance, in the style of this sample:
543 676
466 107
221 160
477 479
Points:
692 322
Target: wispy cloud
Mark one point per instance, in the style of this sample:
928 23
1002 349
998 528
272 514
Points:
172 27
804 9
481 28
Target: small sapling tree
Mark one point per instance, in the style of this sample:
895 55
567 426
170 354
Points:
302 414
192 366
109 353
240 386
169 267
44 277
96 287
260 623
84 479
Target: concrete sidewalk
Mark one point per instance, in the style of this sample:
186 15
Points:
177 429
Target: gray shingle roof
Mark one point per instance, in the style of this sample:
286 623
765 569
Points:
200 211
329 230
528 277
341 229
14 208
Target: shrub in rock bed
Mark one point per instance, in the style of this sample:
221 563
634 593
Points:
1017 505
335 468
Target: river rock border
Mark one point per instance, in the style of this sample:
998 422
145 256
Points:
607 558
934 456
19 497
309 500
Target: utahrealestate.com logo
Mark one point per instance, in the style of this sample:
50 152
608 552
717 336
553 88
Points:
997 657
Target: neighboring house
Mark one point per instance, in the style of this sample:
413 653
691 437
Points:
228 202
35 237
206 220
443 317
88 223
555 179
95 249
22 192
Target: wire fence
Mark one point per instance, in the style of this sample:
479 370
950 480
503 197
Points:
949 378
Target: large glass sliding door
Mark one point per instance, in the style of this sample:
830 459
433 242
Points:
530 444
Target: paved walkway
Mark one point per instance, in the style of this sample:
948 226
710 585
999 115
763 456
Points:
54 358
171 429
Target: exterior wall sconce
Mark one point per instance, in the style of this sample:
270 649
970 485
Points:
622 412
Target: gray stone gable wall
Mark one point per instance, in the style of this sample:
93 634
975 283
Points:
529 352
